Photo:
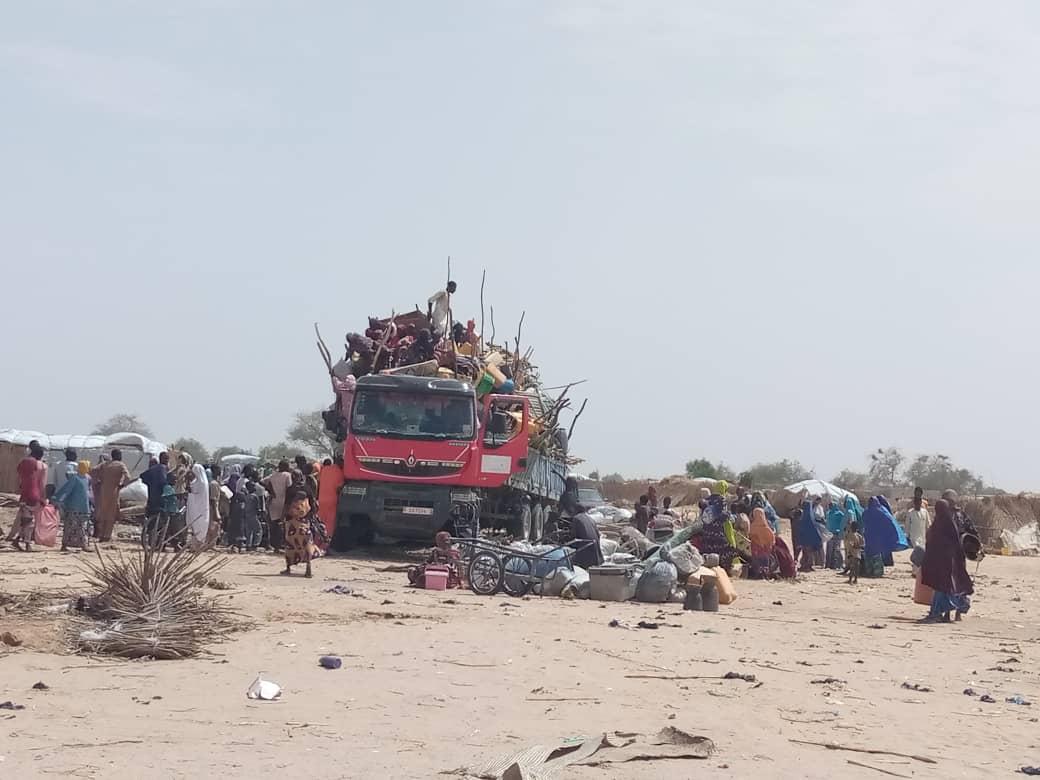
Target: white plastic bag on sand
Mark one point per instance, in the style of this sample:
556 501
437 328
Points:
263 689
607 546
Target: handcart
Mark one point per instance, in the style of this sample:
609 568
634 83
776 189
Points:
493 567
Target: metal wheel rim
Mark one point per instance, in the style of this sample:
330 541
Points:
485 574
511 581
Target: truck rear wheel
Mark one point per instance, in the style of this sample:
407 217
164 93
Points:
522 522
537 523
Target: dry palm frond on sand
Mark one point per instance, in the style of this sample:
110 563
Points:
149 604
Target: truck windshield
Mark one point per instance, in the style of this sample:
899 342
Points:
413 415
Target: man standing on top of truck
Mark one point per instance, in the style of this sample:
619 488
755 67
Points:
437 310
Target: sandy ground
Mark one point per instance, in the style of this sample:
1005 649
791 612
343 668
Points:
434 681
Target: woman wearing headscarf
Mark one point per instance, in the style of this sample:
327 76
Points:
762 542
759 501
236 522
329 485
197 515
883 536
944 567
807 538
714 538
74 499
836 519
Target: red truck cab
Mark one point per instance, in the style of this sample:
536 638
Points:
419 449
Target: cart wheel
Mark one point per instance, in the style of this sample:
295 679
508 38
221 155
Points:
485 574
516 580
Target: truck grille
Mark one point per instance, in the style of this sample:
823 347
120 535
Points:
396 467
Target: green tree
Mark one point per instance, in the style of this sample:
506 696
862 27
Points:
594 475
220 452
193 447
272 453
124 423
308 432
852 480
613 478
702 467
937 472
778 473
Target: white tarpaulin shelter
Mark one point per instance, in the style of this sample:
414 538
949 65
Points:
137 449
239 459
817 487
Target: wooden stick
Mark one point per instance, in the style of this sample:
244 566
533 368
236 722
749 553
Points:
483 276
463 663
570 431
323 349
836 746
492 340
674 677
386 337
516 356
103 744
562 699
609 654
877 769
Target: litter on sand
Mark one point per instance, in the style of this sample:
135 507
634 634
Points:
330 661
545 762
263 689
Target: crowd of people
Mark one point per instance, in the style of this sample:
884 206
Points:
737 524
290 508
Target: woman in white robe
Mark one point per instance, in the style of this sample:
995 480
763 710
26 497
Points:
197 516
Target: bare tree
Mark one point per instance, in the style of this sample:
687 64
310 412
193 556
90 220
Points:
884 466
124 423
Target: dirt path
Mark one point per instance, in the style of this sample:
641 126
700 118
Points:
436 681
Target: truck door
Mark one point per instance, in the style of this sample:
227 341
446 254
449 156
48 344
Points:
503 438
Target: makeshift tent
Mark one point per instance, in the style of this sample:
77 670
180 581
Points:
239 459
817 487
137 450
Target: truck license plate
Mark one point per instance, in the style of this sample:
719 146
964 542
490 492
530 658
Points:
417 510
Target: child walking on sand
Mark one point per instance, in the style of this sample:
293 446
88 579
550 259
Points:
854 544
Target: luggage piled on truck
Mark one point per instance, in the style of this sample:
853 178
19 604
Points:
434 344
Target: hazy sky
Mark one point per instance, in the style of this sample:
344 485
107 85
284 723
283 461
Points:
760 230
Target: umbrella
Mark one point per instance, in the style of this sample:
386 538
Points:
817 487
